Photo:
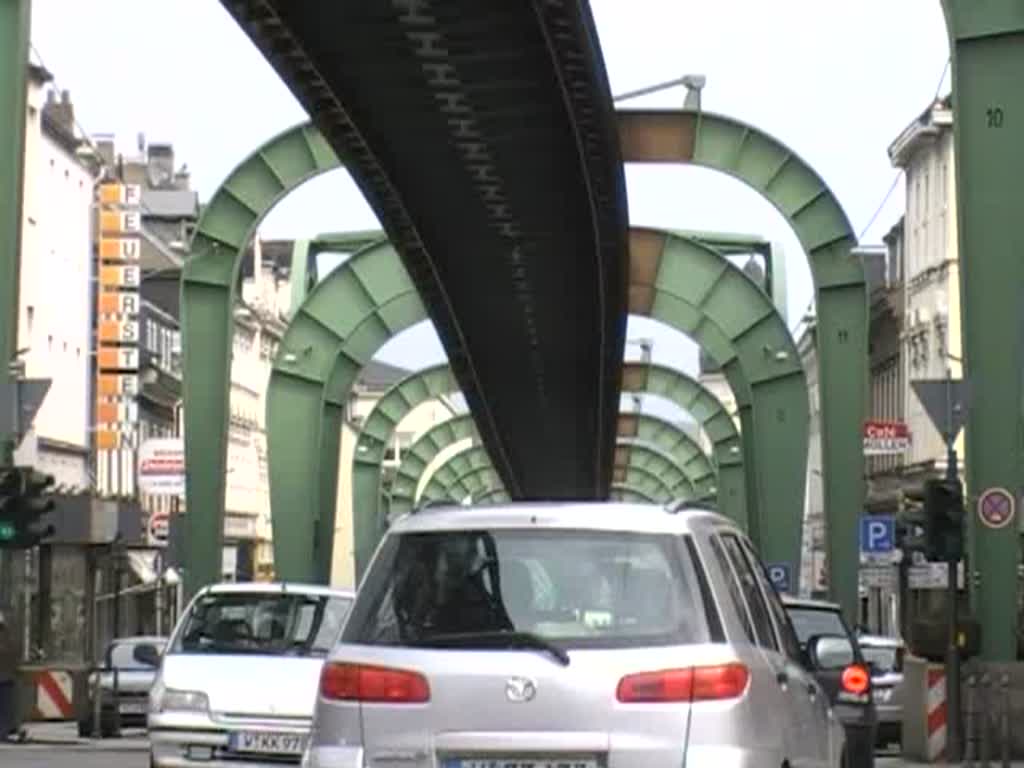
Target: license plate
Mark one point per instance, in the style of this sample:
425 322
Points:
267 743
132 707
520 762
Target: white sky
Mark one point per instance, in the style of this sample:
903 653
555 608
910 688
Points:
835 81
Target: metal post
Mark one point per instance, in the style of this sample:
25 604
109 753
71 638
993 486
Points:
953 729
159 594
116 621
14 37
971 722
1004 720
986 720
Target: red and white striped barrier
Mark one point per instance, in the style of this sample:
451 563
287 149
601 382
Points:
54 695
936 703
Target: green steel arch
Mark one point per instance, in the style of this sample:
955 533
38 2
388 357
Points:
638 428
208 291
744 325
792 186
672 440
437 381
447 478
712 418
208 284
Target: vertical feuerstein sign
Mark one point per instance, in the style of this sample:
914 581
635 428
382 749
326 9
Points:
118 278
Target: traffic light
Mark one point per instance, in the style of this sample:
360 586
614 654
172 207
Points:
23 501
945 504
932 520
10 492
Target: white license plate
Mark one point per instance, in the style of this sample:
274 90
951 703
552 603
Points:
132 707
520 762
267 743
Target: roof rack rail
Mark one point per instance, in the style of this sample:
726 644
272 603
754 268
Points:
676 506
425 505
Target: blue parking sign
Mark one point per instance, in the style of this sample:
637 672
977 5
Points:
877 534
779 575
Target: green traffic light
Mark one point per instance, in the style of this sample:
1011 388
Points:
7 531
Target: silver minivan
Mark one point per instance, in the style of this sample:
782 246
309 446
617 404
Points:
579 634
239 676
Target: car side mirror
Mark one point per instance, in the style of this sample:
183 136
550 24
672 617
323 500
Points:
146 654
828 652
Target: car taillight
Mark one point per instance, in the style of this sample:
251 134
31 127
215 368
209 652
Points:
359 682
727 681
855 679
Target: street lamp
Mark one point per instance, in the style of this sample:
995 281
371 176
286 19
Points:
693 84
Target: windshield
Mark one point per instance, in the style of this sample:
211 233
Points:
573 588
808 622
883 658
122 653
262 623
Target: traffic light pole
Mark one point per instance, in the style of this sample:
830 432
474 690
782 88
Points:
954 743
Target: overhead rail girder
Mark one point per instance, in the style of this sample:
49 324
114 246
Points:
515 180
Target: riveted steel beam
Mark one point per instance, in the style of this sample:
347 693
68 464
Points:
447 480
987 45
715 422
431 383
676 310
813 211
208 284
692 288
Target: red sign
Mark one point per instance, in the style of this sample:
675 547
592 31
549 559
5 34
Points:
996 507
885 437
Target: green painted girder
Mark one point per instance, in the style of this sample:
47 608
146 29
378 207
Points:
14 46
494 495
436 382
445 482
208 281
728 298
715 422
209 278
693 289
696 471
726 243
469 483
782 178
304 274
645 429
987 45
332 336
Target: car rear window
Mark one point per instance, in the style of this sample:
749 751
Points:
808 622
574 588
262 623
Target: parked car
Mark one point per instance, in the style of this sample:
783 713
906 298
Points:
133 661
239 676
884 656
568 634
840 666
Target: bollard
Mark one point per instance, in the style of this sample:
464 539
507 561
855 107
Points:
97 706
117 703
1004 720
970 722
985 753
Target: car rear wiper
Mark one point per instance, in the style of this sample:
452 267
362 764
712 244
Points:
497 639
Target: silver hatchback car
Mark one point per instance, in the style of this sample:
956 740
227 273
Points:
577 635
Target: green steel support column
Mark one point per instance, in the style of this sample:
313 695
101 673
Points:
627 493
208 282
300 280
812 210
14 36
987 44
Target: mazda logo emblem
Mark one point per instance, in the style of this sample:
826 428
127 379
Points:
520 689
